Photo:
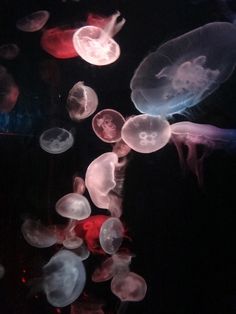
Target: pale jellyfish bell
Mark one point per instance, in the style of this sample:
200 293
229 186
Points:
185 70
72 242
33 22
96 45
146 134
82 101
121 149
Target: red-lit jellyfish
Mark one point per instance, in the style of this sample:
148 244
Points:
96 45
33 22
9 51
98 20
146 134
191 135
82 101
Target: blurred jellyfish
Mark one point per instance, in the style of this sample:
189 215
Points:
72 242
33 22
185 70
78 185
98 20
2 271
73 206
146 134
121 149
82 101
37 234
89 306
9 51
58 42
56 140
95 45
63 278
192 135
107 125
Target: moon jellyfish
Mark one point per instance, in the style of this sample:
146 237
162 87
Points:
146 134
95 45
121 149
79 185
58 43
192 135
33 22
107 125
98 20
9 51
82 101
185 70
129 287
37 234
63 278
56 140
72 243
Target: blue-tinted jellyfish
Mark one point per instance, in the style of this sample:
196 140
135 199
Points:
63 278
185 70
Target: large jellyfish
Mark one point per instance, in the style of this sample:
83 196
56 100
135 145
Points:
63 278
33 22
185 70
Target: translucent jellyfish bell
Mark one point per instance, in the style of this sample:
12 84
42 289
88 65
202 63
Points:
121 149
185 70
82 101
33 22
78 185
107 125
9 51
56 140
95 45
63 278
73 206
146 134
72 242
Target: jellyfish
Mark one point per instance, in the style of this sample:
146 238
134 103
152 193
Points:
107 125
146 134
72 242
95 45
121 149
98 20
82 101
33 22
9 51
88 306
78 185
63 278
192 135
56 140
185 70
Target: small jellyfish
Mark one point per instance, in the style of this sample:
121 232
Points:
82 101
185 70
192 135
9 51
72 242
121 149
146 134
95 45
33 22
78 185
107 125
98 20
73 206
63 278
88 306
56 140
111 235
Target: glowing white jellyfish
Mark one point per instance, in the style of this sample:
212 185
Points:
185 70
73 206
146 134
56 140
82 101
95 45
33 22
107 125
9 51
63 278
192 135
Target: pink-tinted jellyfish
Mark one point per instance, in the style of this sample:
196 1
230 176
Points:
82 101
56 140
89 306
72 242
73 206
98 20
63 278
107 125
78 185
9 91
111 235
192 135
33 22
58 42
9 51
146 134
121 149
95 45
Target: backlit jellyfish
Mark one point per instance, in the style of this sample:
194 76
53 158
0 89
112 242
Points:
95 45
33 22
9 51
63 278
82 101
38 235
185 70
56 140
192 135
107 125
78 185
73 206
111 235
146 134
58 42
